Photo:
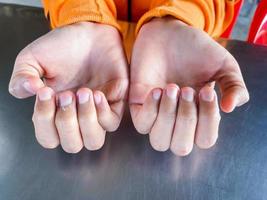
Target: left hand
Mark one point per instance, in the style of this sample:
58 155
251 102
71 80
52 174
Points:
173 71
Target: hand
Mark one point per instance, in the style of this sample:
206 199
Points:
83 55
173 70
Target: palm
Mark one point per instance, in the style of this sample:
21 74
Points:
73 56
160 57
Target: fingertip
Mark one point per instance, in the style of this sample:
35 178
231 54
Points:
12 91
207 142
144 115
94 145
45 94
101 103
157 144
98 97
234 97
207 94
188 94
172 91
65 99
83 95
245 98
156 94
49 145
71 149
45 102
228 104
107 118
25 87
182 150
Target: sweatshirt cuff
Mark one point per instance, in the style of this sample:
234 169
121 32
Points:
180 14
212 18
65 12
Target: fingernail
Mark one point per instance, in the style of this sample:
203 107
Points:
188 94
172 92
83 97
45 94
207 95
65 100
156 94
27 86
97 98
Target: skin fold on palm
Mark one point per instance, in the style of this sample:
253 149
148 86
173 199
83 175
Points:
173 71
83 60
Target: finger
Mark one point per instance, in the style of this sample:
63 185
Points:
234 97
232 85
67 123
107 118
208 118
144 116
161 132
116 92
25 79
44 118
92 133
185 125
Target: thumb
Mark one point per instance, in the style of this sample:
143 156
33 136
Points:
137 97
232 86
26 77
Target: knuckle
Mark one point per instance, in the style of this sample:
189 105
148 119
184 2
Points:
86 119
188 114
158 145
68 124
247 97
215 116
181 151
113 127
206 143
42 118
189 119
142 130
11 90
110 126
94 145
48 144
168 115
72 149
46 141
143 127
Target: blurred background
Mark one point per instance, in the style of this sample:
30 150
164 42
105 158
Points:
240 30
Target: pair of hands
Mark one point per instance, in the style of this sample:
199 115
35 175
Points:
80 75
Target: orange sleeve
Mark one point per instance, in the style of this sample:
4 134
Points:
212 16
64 12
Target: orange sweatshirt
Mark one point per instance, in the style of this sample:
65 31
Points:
212 16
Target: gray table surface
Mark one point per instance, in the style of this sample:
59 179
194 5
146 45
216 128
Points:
127 167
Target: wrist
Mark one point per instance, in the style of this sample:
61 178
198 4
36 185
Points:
163 24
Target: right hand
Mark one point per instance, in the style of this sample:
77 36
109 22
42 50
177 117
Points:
84 54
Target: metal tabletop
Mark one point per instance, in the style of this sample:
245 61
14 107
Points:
127 167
